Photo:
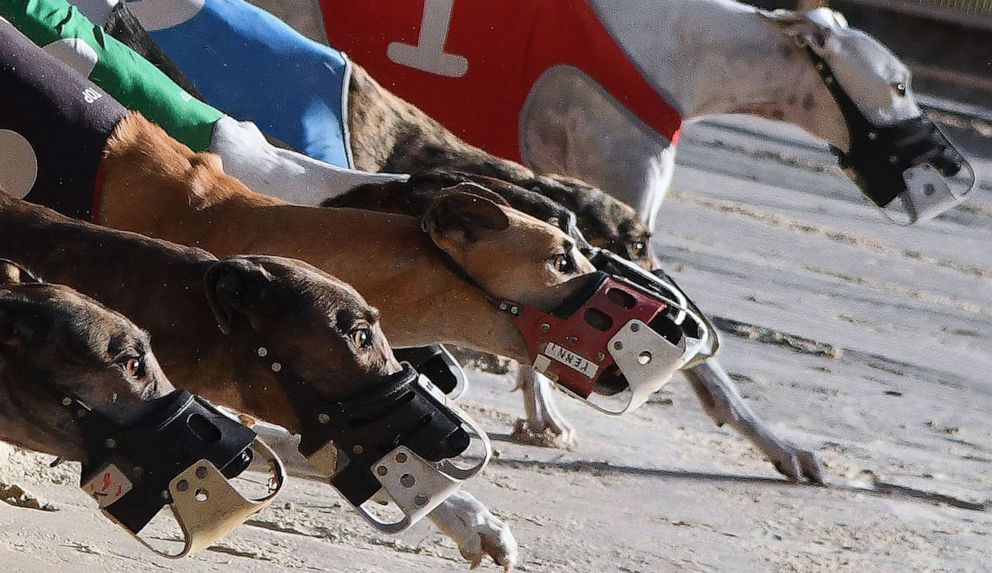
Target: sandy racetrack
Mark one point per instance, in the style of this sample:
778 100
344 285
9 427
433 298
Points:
869 342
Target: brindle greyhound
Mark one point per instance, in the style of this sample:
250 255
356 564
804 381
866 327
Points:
74 344
605 221
342 348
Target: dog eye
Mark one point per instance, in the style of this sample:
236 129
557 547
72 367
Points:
638 248
563 263
362 337
133 367
900 88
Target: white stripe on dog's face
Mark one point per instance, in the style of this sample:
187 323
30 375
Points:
75 53
161 14
18 164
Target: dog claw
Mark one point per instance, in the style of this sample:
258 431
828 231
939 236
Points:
797 464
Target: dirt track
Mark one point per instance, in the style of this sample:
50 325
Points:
869 342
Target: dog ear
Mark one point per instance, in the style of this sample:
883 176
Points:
235 287
810 28
12 273
464 210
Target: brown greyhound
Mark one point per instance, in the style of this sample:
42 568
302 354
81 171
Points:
321 328
157 186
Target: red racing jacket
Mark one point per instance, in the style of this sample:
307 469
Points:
471 64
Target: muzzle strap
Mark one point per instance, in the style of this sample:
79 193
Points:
364 429
881 159
182 454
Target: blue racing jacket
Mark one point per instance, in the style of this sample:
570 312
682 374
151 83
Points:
253 66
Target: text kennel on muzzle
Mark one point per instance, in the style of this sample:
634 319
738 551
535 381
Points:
618 339
395 451
183 454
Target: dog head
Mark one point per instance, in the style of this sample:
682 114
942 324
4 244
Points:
320 327
510 255
55 342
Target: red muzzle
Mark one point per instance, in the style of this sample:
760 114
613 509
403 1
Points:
603 335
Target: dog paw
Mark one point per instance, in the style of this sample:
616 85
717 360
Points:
796 463
476 531
550 436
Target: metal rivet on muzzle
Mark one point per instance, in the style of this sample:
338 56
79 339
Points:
201 472
323 419
635 327
618 345
358 450
401 458
276 367
421 500
110 443
600 357
263 351
66 401
381 470
573 340
407 480
544 328
183 485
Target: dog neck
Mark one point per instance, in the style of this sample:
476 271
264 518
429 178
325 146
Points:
156 186
160 287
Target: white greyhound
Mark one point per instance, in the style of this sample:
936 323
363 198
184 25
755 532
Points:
598 89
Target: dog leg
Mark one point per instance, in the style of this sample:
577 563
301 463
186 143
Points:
724 404
544 426
464 519
476 530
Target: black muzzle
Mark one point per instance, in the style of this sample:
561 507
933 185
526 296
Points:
398 437
180 454
909 169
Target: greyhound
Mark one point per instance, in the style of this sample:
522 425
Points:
53 333
597 98
343 348
607 223
81 382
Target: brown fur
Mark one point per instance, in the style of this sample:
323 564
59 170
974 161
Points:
157 186
54 340
181 295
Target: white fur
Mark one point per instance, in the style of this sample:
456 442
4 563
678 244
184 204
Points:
76 53
705 57
281 173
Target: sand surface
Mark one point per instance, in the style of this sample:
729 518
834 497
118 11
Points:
863 340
